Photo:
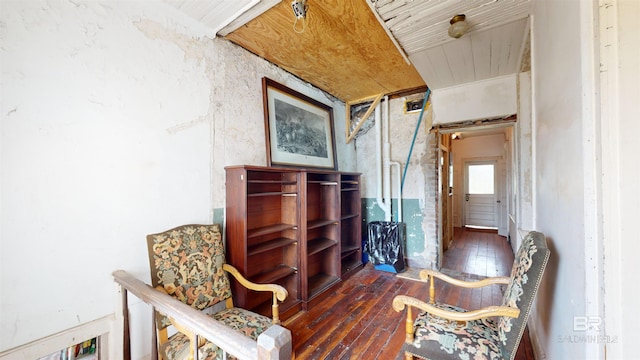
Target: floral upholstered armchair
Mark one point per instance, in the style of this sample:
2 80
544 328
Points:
442 331
188 263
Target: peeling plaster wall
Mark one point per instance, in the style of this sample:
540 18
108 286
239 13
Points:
419 192
117 122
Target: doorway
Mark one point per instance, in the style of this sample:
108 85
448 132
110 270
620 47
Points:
479 205
475 182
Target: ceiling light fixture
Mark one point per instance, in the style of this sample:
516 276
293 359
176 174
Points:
458 26
299 8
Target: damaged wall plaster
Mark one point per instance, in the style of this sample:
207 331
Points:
418 200
117 122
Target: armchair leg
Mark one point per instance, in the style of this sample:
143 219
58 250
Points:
274 310
409 326
432 290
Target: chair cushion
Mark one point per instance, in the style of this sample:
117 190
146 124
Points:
439 338
248 323
187 261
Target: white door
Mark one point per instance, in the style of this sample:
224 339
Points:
480 194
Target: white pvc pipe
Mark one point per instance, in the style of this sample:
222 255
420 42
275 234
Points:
389 162
386 157
384 163
379 163
399 184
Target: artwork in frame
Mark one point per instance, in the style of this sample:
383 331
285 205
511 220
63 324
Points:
298 129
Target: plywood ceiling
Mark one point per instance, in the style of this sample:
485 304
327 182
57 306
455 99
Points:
343 50
356 49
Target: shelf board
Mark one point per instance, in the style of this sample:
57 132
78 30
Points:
316 245
269 229
319 223
348 250
323 182
267 181
319 282
273 193
270 276
265 308
270 245
350 267
349 216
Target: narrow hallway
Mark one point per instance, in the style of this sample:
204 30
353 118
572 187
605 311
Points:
478 252
474 255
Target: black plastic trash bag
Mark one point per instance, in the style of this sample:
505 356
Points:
384 245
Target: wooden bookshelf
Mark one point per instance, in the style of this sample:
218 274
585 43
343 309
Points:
297 228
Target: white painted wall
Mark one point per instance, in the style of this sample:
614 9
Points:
620 89
565 178
487 147
522 212
485 99
117 120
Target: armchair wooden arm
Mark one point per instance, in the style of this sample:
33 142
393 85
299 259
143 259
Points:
401 301
279 292
431 274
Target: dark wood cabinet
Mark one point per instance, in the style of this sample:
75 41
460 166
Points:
297 228
263 234
350 224
321 234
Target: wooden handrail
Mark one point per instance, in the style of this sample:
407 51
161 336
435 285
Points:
275 343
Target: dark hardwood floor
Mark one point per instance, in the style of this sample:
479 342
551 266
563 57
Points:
358 322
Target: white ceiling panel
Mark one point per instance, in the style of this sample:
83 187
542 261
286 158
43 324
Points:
476 56
492 46
214 14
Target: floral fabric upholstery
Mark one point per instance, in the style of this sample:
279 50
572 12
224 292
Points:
526 274
246 322
187 262
438 338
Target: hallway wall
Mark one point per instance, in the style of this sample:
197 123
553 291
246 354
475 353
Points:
117 122
620 99
566 151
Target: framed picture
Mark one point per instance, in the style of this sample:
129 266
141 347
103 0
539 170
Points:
298 129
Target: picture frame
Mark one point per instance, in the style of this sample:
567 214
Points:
299 130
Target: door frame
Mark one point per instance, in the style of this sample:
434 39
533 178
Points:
443 196
496 185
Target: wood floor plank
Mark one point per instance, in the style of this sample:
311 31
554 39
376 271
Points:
358 322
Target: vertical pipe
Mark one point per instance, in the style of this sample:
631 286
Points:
399 189
386 158
379 161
